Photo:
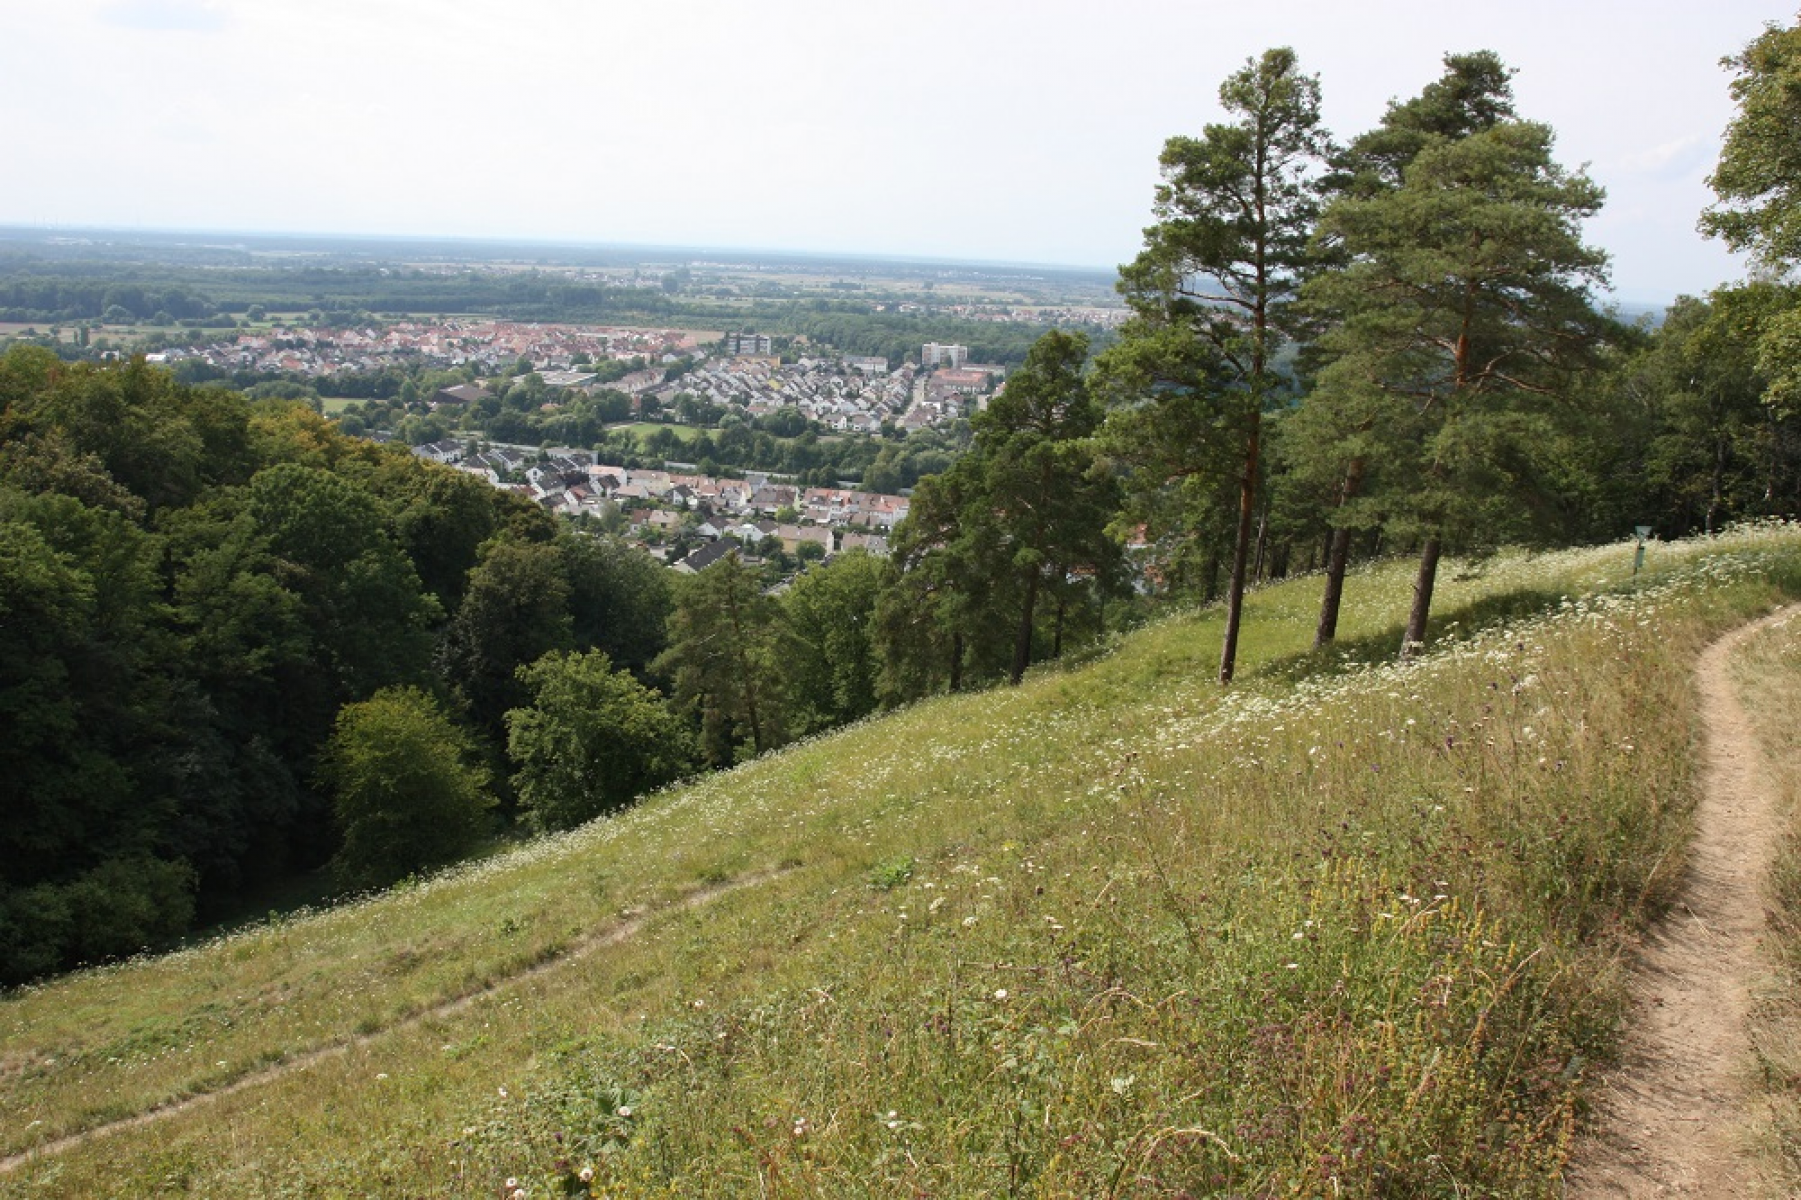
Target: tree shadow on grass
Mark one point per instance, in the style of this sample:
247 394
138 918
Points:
1384 646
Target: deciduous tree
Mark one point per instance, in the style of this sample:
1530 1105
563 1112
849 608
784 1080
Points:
591 740
409 793
1758 179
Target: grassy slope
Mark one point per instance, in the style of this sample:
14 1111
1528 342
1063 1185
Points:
1768 672
1113 931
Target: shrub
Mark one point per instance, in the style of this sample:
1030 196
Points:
406 793
591 740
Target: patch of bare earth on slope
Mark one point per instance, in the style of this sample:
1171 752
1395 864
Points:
1674 1117
633 921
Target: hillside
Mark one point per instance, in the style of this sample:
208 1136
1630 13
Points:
1340 929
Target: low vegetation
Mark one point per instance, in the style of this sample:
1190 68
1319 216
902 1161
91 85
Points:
1768 672
1348 927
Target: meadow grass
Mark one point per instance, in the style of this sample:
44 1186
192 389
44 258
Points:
1346 928
1767 671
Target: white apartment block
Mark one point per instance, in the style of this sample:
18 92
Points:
935 355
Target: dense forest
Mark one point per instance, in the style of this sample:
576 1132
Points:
197 591
239 645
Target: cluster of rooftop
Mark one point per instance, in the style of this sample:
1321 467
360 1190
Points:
660 504
487 346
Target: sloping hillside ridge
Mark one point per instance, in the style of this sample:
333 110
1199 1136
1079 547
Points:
1345 927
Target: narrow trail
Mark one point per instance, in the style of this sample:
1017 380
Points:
611 936
1672 1117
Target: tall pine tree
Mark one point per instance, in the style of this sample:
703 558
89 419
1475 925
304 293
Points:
1464 300
1225 261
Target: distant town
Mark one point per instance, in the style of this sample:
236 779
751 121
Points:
735 371
685 517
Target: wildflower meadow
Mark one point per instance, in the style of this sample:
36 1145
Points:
1348 927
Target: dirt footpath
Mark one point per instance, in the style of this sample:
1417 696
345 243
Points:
1672 1119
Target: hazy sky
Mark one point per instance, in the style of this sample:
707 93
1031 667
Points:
1024 130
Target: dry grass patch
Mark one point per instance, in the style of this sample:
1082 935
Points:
1767 670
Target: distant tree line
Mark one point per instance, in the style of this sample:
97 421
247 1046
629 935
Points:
37 291
717 439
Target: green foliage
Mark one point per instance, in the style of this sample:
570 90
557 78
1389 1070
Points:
1460 317
1758 179
1464 301
1758 182
591 740
1474 93
939 619
619 598
407 793
726 661
832 664
191 586
1679 434
1024 513
1213 300
441 519
891 873
1045 489
120 906
79 717
362 598
515 611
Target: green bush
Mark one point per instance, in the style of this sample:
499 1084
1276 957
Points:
407 797
592 740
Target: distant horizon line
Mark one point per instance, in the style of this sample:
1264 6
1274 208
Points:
556 242
1657 303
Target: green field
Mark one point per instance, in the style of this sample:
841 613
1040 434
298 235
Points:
644 428
1345 928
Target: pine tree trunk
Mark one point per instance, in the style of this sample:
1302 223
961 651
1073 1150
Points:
1336 560
956 662
1262 544
1022 643
1247 503
1415 639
